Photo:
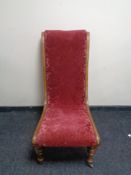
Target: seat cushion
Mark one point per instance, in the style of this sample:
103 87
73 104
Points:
66 126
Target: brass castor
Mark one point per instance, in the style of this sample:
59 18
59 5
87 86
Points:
39 154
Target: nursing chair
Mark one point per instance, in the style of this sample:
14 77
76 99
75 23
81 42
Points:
66 120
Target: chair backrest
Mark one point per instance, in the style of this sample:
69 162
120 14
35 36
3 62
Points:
65 63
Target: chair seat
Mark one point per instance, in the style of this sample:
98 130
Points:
66 126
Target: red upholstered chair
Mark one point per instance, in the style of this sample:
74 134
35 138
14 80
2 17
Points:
66 120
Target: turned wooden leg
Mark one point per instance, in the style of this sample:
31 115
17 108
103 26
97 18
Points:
90 154
39 154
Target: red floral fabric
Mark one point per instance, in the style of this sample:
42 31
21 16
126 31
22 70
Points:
66 120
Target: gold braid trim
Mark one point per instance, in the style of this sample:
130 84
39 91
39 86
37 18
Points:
88 109
45 92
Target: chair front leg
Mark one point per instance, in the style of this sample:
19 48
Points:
39 154
90 155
